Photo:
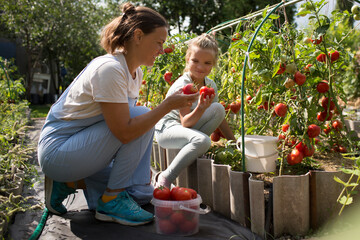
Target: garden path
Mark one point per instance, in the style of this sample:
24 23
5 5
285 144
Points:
80 223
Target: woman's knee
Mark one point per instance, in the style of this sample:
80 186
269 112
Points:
218 110
202 142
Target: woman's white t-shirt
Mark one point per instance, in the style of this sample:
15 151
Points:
105 79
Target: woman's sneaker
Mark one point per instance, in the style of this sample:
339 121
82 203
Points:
124 210
55 194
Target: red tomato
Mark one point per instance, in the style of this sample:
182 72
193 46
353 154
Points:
299 78
322 87
167 77
215 137
317 41
248 98
180 194
337 125
285 127
327 130
281 137
281 109
321 57
313 130
188 227
295 157
235 106
163 212
177 217
207 91
342 149
166 227
282 68
193 193
300 146
162 193
324 103
307 68
334 56
168 50
309 151
189 89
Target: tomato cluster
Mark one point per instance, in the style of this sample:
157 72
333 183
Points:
176 193
173 221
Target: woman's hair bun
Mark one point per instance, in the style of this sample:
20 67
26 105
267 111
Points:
128 9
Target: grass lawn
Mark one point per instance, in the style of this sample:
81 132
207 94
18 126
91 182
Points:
39 111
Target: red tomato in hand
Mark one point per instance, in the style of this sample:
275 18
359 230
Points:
180 194
189 89
162 193
206 91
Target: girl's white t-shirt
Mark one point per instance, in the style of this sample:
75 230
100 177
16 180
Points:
105 79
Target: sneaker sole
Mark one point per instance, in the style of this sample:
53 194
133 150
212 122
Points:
48 191
107 218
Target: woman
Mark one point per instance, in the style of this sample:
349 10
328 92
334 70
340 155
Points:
95 137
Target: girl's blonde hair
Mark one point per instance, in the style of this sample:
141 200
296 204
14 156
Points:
121 29
204 41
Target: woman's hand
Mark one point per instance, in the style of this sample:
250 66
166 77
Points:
179 100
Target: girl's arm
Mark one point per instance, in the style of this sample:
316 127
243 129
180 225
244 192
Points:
226 130
189 118
126 129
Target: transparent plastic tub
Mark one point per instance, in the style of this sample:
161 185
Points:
177 218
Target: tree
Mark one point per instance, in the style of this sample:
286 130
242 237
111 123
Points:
54 30
198 16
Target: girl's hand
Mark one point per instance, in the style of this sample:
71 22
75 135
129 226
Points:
205 102
179 100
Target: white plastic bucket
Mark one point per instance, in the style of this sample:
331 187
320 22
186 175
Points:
178 218
260 153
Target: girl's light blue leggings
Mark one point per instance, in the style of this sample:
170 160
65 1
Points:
86 149
193 142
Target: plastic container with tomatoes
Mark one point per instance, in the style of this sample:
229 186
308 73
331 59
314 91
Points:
177 218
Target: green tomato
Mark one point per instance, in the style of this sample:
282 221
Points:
357 17
291 68
222 156
270 43
283 58
306 40
355 10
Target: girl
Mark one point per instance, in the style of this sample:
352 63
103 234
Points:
95 137
189 128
